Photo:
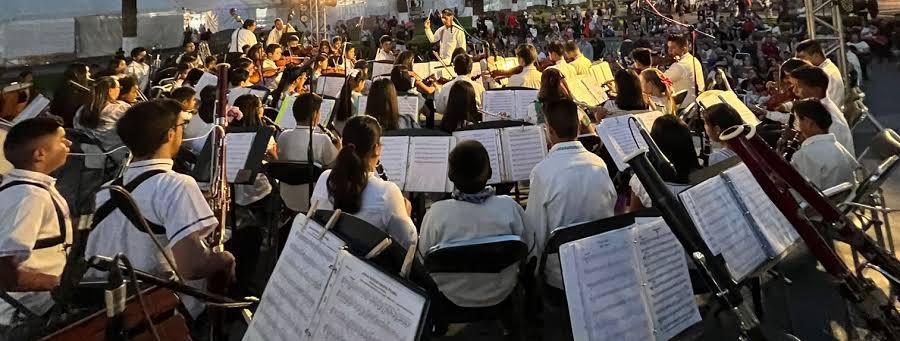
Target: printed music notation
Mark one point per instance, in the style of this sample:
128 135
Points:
490 139
524 148
394 157
773 225
428 164
237 153
622 136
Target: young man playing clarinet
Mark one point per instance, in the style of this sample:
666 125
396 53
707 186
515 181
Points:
821 159
35 227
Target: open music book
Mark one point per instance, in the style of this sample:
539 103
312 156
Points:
286 120
514 151
711 97
319 291
581 93
417 163
244 152
511 104
430 68
628 284
329 86
38 105
205 80
234 93
408 105
736 218
602 73
622 137
381 69
595 88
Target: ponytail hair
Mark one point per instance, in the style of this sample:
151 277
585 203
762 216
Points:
349 176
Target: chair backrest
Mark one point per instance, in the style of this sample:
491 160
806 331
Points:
876 179
293 172
854 112
680 96
884 144
479 255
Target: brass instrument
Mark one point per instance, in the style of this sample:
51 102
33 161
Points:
203 51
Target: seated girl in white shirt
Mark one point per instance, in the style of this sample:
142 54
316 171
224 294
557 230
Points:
346 106
100 115
352 186
658 89
629 96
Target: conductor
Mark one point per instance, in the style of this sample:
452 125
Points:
450 36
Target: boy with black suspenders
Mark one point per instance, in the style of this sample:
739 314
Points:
35 228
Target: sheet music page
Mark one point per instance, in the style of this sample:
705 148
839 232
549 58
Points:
234 93
619 138
381 69
325 111
774 226
297 285
33 109
285 118
723 226
364 303
580 93
499 103
329 86
361 103
237 150
732 100
428 163
490 139
648 118
603 289
394 157
524 104
409 105
205 80
523 148
665 273
438 69
422 69
591 83
601 72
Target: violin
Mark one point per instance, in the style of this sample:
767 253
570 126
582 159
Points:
544 64
289 60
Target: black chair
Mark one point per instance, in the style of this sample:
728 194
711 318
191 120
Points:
680 96
479 255
293 172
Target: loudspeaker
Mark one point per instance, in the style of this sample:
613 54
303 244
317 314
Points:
478 7
402 6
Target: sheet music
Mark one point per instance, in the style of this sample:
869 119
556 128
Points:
523 148
297 285
234 93
723 226
428 163
33 109
205 80
648 118
499 103
602 72
603 288
422 69
381 69
237 150
591 83
364 303
620 138
524 101
774 227
581 93
490 139
361 103
325 111
394 157
329 86
732 100
665 273
409 105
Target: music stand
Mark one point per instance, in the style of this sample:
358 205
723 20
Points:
253 164
502 188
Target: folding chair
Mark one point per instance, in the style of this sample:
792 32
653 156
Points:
481 256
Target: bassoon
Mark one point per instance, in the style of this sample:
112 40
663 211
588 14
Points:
219 198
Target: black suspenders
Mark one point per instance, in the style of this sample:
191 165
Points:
52 241
134 217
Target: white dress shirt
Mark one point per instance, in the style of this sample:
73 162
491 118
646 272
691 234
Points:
141 71
582 65
530 77
293 145
682 75
449 38
240 38
835 82
276 34
571 185
382 206
824 162
566 69
383 55
443 94
454 220
27 214
839 126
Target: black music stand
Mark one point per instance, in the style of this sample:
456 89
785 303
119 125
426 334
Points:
253 165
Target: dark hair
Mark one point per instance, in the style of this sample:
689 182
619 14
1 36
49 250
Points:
238 76
248 23
344 106
304 107
555 47
811 76
385 39
527 52
126 83
571 46
76 72
137 50
469 166
678 39
462 65
241 63
183 94
812 109
249 105
400 78
405 58
25 73
629 95
288 77
207 106
382 104
349 176
722 116
458 51
790 65
324 43
447 12
271 48
675 141
462 106
254 51
562 116
90 114
642 55
23 134
551 86
811 47
210 59
145 126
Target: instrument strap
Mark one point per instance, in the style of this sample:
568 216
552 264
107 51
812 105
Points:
60 216
134 217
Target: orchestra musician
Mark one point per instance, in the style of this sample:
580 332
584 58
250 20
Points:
128 91
35 224
554 89
811 51
821 159
243 36
385 49
687 72
293 83
450 36
423 86
529 76
657 89
294 49
171 203
557 61
382 105
201 123
570 185
352 186
629 96
675 141
278 31
780 92
643 59
578 61
348 101
100 115
72 93
462 67
717 118
138 68
812 82
270 69
295 147
462 107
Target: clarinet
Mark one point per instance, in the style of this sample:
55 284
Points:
788 141
379 169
